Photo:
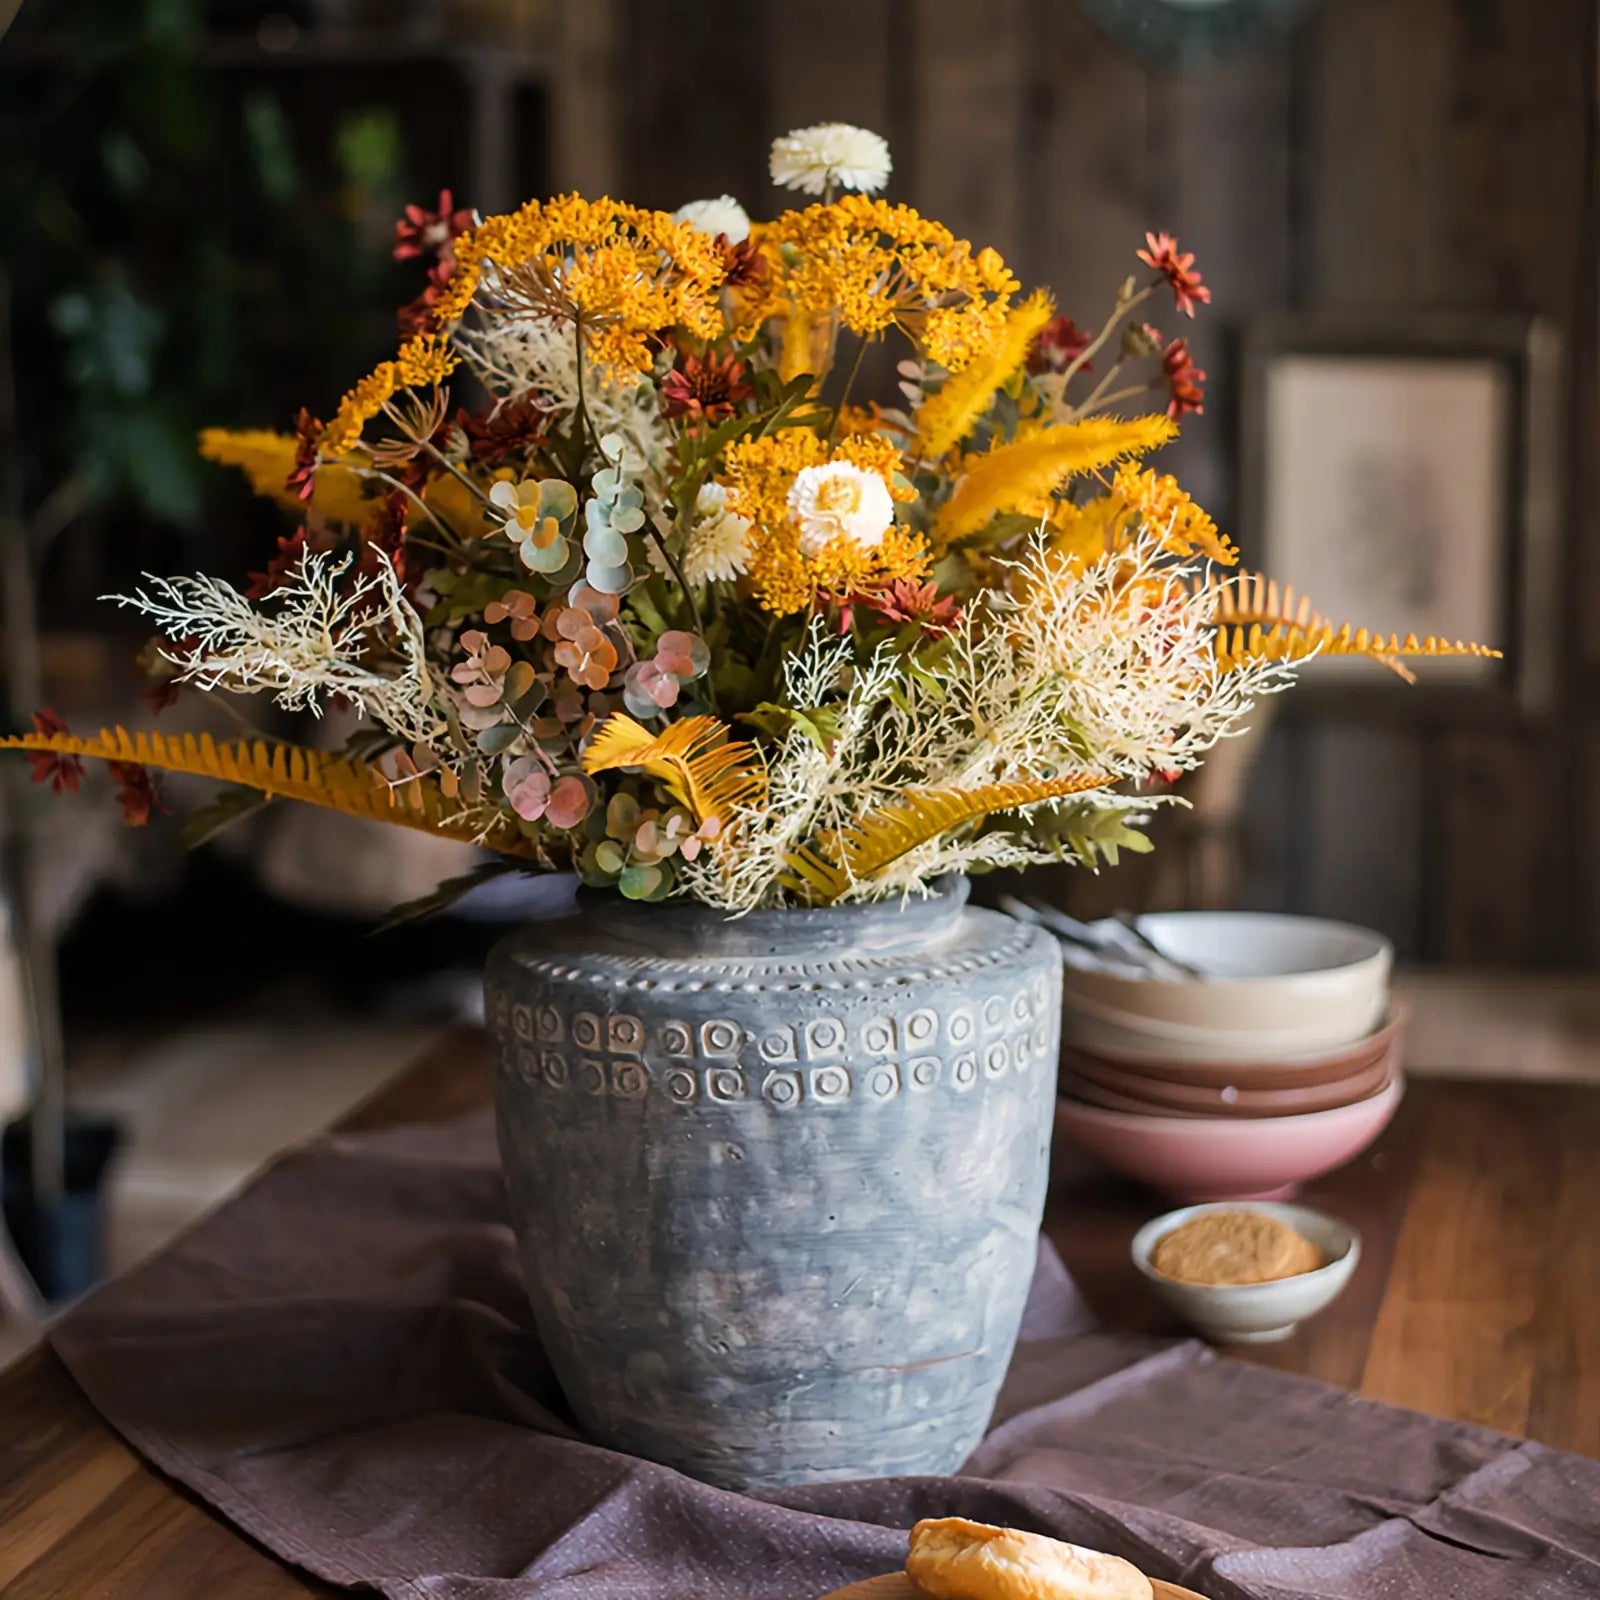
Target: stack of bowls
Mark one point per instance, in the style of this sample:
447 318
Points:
1279 1062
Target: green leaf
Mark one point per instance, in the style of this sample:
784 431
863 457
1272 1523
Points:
446 894
229 807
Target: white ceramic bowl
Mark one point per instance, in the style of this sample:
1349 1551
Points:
1255 1313
1277 987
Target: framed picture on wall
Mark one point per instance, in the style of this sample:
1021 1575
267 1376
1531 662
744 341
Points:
1403 470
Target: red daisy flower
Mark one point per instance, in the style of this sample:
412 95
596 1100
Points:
417 315
136 792
61 771
1061 341
291 546
1162 254
743 263
705 388
302 479
422 232
900 601
1183 380
515 428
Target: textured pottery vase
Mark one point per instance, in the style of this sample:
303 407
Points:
777 1180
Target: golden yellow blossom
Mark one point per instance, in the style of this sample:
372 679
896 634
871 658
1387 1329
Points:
624 273
1182 526
880 266
946 418
759 475
267 459
426 359
621 273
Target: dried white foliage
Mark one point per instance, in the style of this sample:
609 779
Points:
1109 670
313 638
538 357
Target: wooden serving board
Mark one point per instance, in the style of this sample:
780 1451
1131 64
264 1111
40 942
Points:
897 1586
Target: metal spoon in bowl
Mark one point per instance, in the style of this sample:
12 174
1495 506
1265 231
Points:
1086 936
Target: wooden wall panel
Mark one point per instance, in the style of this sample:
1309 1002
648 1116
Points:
587 95
1085 167
693 82
850 84
966 65
1235 214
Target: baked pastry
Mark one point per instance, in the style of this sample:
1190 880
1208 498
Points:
1233 1247
952 1559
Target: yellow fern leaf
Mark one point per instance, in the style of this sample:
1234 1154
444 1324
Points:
267 459
1028 468
861 852
946 418
291 772
699 766
1241 645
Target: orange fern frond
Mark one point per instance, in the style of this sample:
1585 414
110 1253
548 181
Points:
1239 646
292 772
825 871
693 758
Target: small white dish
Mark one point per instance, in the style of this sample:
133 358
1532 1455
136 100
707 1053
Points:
1255 1313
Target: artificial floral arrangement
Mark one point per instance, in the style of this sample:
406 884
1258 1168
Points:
621 577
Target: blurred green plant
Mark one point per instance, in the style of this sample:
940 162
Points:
182 247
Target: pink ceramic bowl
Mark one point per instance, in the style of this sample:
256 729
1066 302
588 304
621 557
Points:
1261 1158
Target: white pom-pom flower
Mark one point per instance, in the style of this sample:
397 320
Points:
722 215
809 159
840 498
718 546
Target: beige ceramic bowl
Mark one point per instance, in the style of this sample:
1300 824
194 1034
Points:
1255 1313
1276 988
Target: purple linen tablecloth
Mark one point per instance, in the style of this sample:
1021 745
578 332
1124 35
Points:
341 1362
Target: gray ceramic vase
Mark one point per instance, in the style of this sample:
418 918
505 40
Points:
777 1180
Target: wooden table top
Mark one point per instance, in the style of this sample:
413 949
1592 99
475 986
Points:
1477 1296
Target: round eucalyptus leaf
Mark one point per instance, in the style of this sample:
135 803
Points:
558 499
551 559
605 548
627 519
609 580
500 737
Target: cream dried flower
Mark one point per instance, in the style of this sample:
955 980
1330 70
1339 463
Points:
718 546
723 215
810 159
840 498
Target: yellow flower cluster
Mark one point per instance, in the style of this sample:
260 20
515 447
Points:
878 266
426 359
624 274
759 474
1183 527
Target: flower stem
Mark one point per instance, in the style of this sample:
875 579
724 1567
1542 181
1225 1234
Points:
1123 307
849 384
1121 394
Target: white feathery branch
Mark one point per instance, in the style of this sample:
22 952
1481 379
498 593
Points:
310 640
